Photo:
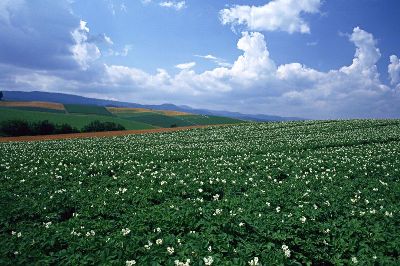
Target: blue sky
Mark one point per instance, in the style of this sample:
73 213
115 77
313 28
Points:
310 58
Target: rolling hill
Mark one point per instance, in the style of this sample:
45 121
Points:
75 99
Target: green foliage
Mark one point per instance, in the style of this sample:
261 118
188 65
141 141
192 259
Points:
97 126
298 193
24 128
16 128
87 109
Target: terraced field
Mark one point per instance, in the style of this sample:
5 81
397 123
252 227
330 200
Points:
318 192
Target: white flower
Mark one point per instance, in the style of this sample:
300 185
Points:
217 212
47 225
209 248
179 263
216 197
149 244
170 250
125 231
241 224
303 219
159 241
286 250
354 260
200 190
278 209
19 234
208 260
254 261
130 262
389 214
158 229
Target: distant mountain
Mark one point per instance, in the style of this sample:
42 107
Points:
75 99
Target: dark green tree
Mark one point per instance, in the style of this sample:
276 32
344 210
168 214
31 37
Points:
1 95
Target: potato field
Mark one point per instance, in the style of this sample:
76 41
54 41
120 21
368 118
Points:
292 193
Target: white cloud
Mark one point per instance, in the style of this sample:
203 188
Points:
254 83
185 66
291 89
366 56
394 71
124 52
83 51
174 5
282 15
219 61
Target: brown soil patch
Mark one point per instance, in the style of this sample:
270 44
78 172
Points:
173 113
48 105
95 134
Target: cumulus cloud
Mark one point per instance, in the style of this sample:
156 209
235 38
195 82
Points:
83 51
255 80
24 34
394 70
282 15
174 5
32 59
185 66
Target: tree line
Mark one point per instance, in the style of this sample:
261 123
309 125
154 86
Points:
18 127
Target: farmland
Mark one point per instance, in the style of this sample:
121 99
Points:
320 192
76 120
78 116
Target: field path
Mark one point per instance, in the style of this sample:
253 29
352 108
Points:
97 134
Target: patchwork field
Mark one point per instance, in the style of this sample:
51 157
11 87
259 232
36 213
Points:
75 120
318 192
80 115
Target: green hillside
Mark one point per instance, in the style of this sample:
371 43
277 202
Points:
208 119
75 120
156 119
87 109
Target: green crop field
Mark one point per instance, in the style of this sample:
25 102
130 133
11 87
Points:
156 119
209 119
87 109
293 193
75 120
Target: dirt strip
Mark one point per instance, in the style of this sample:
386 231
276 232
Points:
97 134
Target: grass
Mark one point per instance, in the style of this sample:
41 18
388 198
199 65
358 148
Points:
75 120
87 109
156 119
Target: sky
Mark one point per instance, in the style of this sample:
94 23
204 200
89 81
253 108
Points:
317 59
